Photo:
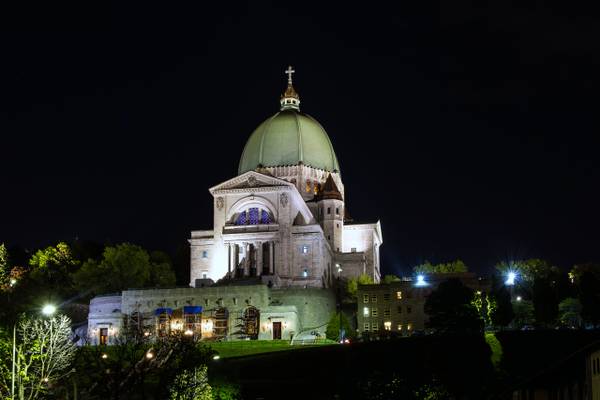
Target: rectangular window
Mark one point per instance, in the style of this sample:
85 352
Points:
337 225
235 301
365 298
408 327
399 327
305 273
399 309
366 327
374 312
366 311
375 326
204 253
386 312
408 309
399 295
304 249
373 298
353 250
204 275
386 297
328 210
387 325
337 210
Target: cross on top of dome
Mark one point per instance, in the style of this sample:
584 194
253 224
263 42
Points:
290 99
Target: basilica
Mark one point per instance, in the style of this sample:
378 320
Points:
281 237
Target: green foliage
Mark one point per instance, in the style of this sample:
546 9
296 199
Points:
333 328
4 266
589 296
124 266
500 310
51 269
390 279
5 363
523 313
570 312
191 384
450 309
545 301
496 348
225 390
352 284
456 266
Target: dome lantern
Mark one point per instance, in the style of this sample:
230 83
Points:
290 99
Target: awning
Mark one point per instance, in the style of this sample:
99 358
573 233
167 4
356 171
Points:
192 309
160 311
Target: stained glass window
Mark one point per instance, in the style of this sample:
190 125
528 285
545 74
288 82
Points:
265 218
253 216
241 220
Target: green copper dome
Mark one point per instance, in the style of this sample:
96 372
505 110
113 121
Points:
288 138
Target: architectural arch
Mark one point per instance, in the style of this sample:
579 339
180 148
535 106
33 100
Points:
251 202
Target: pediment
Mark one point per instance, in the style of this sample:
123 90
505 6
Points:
250 180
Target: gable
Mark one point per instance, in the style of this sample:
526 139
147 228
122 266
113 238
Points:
251 180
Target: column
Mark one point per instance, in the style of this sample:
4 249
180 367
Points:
229 259
271 257
259 258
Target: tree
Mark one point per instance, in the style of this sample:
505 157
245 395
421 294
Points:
456 266
191 385
4 266
390 279
545 301
352 284
5 364
450 309
124 266
570 312
51 269
500 309
523 313
333 328
44 355
589 296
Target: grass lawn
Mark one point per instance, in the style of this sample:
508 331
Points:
248 347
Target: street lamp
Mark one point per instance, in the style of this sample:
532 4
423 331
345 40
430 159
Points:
48 310
510 278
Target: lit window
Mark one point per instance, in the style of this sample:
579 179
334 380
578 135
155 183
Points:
204 253
305 273
386 312
374 312
408 327
386 297
304 249
373 298
366 327
316 187
399 295
366 311
399 327
308 185
365 298
387 325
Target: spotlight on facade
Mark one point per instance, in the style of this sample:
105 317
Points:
510 278
421 280
49 309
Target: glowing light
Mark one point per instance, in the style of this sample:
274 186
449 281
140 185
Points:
149 355
104 356
13 282
146 333
510 278
176 325
421 281
188 332
387 326
216 357
45 379
519 298
49 309
366 311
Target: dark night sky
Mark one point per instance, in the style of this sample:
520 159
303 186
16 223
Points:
470 130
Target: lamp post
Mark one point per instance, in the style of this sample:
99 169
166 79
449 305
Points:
48 310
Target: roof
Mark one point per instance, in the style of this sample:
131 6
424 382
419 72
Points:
329 191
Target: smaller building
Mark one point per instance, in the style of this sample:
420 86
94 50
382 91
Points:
399 307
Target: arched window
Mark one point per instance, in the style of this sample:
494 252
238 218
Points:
254 216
